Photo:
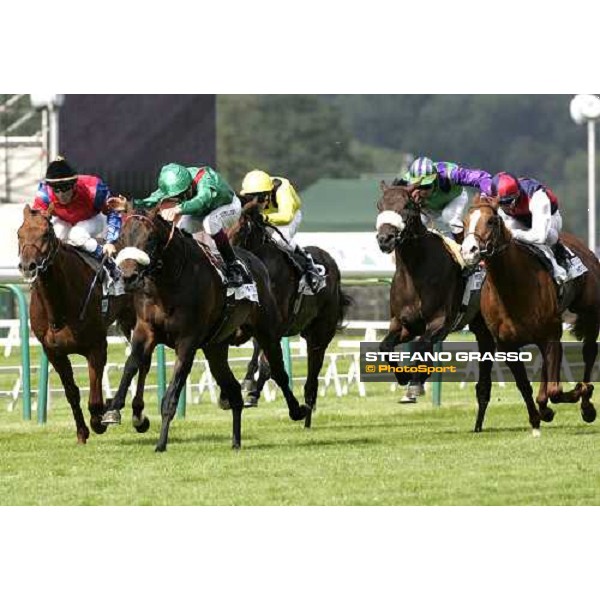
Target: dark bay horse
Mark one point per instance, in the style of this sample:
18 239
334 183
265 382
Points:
520 305
315 317
180 301
427 288
60 279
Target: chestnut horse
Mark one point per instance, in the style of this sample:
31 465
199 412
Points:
180 301
520 304
316 318
427 288
60 282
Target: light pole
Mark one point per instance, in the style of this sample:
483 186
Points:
585 108
50 104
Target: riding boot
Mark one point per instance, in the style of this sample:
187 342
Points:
313 273
235 270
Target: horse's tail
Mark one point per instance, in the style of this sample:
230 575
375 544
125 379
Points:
344 302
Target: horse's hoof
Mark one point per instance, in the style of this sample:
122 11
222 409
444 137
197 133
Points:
97 425
141 426
251 402
83 435
300 413
235 445
111 417
478 430
536 433
407 400
547 415
160 448
588 414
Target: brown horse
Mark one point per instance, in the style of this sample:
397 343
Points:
520 304
427 288
316 318
60 281
180 301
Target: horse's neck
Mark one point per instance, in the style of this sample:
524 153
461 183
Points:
508 274
58 285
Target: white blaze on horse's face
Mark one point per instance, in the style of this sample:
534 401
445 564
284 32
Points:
390 217
470 246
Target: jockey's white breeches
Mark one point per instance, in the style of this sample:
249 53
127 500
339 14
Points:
450 218
82 234
288 232
552 234
222 217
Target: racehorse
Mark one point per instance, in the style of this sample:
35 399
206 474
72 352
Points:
427 290
180 301
520 304
60 283
315 317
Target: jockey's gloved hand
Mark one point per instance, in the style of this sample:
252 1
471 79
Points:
109 249
170 214
118 203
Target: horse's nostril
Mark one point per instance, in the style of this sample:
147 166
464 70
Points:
31 266
474 249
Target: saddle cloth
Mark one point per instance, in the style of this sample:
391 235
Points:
247 291
572 264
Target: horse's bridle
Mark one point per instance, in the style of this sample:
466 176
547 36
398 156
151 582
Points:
42 266
156 263
491 247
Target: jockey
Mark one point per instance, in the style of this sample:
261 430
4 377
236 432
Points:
281 205
530 211
441 186
206 202
79 205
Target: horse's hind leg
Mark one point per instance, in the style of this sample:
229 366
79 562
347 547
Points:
272 349
524 386
62 365
96 364
590 352
230 388
249 386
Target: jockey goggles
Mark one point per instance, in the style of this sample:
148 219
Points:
62 186
508 200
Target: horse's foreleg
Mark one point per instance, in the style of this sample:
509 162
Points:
524 386
139 420
183 365
142 344
62 365
96 364
397 334
316 345
230 388
483 389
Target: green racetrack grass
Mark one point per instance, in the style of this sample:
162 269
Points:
361 451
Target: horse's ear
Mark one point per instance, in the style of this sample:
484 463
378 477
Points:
383 186
26 211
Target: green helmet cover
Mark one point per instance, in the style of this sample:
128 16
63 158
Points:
173 180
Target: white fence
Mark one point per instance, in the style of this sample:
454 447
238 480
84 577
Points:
340 372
